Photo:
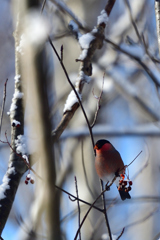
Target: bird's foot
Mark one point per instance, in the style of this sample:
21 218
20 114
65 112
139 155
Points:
117 174
107 187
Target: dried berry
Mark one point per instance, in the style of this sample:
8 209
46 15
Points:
32 181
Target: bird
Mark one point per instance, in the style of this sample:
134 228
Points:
108 164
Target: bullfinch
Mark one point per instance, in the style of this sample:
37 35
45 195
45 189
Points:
108 164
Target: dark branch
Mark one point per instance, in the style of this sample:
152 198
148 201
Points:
3 104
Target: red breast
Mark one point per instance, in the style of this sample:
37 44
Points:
108 160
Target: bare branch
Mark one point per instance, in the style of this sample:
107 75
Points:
137 59
68 114
98 104
109 6
157 13
87 215
79 210
3 104
62 6
16 166
80 200
43 5
121 234
154 211
134 159
104 207
132 20
84 169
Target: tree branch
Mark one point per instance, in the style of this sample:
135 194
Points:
3 104
16 166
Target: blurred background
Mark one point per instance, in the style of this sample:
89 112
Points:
129 118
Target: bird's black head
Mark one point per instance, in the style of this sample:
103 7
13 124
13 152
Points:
100 143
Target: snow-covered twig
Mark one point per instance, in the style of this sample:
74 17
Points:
15 162
89 43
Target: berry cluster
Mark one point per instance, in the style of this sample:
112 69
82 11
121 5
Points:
29 178
123 184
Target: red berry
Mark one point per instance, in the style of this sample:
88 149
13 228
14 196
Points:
18 125
124 183
122 176
129 189
27 178
26 182
130 183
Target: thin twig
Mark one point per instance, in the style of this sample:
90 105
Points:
3 104
134 159
105 212
132 20
80 200
19 155
109 6
62 53
142 220
98 103
43 5
157 13
79 210
79 100
137 59
140 170
121 234
140 36
153 59
87 214
84 169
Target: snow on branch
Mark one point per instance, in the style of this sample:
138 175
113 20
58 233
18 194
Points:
102 18
74 29
88 42
20 144
17 94
71 100
85 40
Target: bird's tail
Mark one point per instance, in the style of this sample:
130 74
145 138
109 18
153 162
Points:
124 195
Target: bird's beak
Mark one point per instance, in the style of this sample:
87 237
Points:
95 147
